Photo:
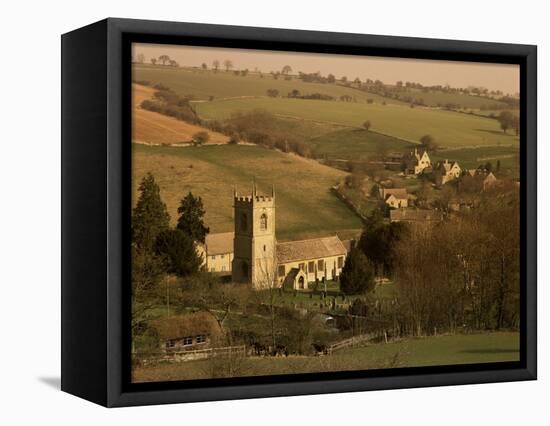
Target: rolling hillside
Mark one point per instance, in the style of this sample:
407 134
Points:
156 129
356 144
203 84
450 129
305 206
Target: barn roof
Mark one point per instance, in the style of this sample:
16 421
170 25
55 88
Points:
316 248
180 326
219 243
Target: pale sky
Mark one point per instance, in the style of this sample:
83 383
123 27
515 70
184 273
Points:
504 77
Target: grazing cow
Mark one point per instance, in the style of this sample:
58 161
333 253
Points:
280 350
320 349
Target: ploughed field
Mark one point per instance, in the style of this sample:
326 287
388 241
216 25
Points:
412 352
306 207
153 128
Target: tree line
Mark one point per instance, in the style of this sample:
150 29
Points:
159 249
461 274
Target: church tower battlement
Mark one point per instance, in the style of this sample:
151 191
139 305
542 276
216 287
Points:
254 243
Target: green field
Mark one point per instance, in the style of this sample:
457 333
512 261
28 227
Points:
428 351
439 98
201 84
305 206
473 157
355 144
450 129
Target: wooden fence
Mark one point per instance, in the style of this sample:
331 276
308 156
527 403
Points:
351 342
192 355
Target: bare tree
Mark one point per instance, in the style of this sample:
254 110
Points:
164 59
215 64
228 64
286 70
268 288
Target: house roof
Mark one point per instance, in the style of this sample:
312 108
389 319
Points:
447 165
399 193
415 215
316 248
180 326
221 243
481 172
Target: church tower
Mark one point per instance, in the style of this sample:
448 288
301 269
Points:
254 245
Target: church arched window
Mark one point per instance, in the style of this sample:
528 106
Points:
244 222
263 222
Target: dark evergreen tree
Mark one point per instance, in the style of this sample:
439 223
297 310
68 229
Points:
378 242
357 274
150 216
179 252
190 221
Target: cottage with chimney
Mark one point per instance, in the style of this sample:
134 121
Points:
477 180
187 332
416 162
447 171
395 197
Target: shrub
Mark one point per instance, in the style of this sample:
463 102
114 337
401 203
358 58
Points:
200 138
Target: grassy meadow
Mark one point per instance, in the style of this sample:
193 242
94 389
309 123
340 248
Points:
437 98
413 352
305 206
450 129
356 144
201 84
473 157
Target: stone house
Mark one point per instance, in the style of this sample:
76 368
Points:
187 332
395 197
447 171
217 252
416 162
477 180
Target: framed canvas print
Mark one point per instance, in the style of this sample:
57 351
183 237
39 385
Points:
252 212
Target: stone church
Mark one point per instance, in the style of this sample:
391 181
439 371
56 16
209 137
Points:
257 258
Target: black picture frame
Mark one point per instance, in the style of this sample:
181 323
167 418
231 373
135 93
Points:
96 211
